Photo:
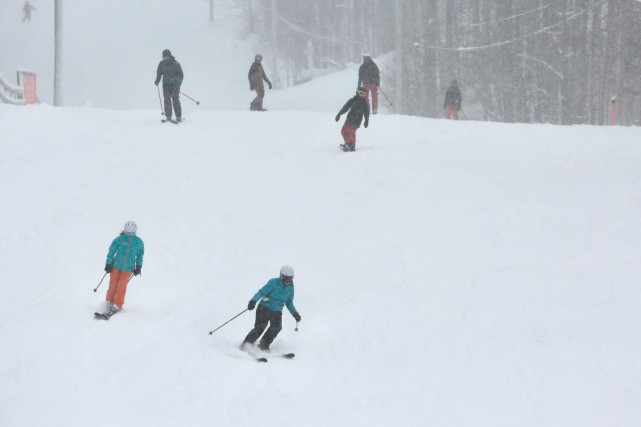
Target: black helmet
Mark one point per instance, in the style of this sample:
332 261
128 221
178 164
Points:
166 53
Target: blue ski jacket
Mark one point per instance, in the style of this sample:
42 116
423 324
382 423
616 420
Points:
126 252
275 295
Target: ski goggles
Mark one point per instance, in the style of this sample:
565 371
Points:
361 93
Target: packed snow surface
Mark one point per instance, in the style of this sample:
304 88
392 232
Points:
447 273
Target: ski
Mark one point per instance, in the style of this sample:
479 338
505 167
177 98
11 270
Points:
284 356
263 359
345 147
104 316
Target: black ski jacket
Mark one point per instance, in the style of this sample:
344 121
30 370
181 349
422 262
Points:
171 72
453 97
257 79
368 73
358 108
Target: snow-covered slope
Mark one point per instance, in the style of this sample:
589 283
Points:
447 273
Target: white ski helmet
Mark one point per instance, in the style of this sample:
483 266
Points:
130 227
287 271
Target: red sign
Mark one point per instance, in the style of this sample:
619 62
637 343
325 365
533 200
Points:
29 85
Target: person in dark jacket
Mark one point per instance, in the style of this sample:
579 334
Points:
256 76
172 77
369 78
453 101
358 109
276 294
27 8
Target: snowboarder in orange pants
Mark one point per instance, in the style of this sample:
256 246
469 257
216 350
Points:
357 109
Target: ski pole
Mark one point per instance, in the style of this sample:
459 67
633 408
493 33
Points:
296 327
390 102
211 332
103 278
160 100
197 103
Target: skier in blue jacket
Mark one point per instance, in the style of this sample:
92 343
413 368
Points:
276 294
124 258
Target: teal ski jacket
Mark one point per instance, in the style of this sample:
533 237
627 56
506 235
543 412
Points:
275 295
126 252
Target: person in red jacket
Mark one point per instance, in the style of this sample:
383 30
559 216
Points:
358 109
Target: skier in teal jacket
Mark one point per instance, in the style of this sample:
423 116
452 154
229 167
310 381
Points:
124 258
276 294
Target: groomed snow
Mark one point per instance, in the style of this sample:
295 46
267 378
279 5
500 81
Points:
447 273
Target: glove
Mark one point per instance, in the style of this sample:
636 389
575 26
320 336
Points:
251 87
137 270
108 268
156 83
338 117
296 316
366 123
270 86
251 305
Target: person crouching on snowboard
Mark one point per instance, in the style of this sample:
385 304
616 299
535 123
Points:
358 108
124 259
273 296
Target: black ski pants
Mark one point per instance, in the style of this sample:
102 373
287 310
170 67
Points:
171 93
263 317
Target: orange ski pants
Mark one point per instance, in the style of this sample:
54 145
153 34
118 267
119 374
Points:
349 134
371 88
452 110
118 286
